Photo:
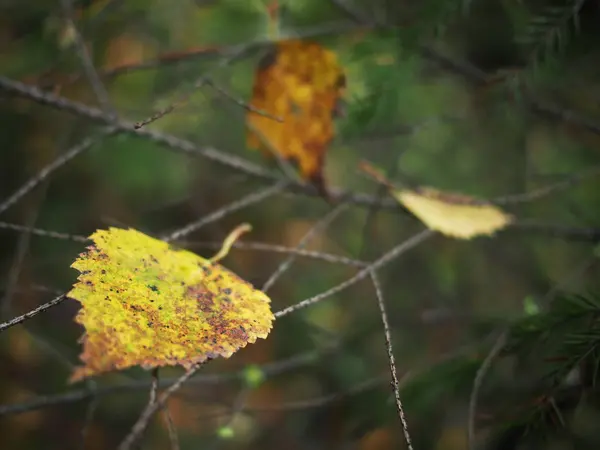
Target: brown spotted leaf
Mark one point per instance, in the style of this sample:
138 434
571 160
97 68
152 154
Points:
146 303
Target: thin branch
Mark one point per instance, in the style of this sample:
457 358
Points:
479 77
183 99
58 352
545 191
171 430
43 233
28 315
554 230
43 174
250 199
482 372
89 418
250 169
239 102
349 9
324 400
15 269
269 370
390 351
239 405
361 387
284 164
162 60
310 403
271 248
317 228
362 274
382 190
153 387
171 142
153 391
86 61
176 57
246 245
142 423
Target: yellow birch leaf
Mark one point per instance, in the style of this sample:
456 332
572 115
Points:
301 83
454 215
148 304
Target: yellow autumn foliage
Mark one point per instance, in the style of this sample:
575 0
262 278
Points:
146 303
456 216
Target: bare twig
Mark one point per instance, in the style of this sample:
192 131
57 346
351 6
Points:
317 228
264 247
555 230
43 233
246 245
372 211
77 395
238 406
52 349
165 409
324 400
28 315
362 274
142 423
248 168
479 77
89 417
284 164
390 351
482 372
171 142
43 174
545 191
171 430
369 384
16 266
153 392
248 200
239 102
183 99
353 13
176 57
86 61
153 387
271 369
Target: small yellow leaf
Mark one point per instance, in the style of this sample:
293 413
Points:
145 303
454 215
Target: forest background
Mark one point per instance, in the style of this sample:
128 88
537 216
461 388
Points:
495 338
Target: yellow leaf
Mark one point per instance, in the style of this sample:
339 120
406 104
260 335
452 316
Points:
146 303
454 215
300 82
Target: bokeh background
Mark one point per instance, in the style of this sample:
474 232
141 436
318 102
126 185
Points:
484 98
